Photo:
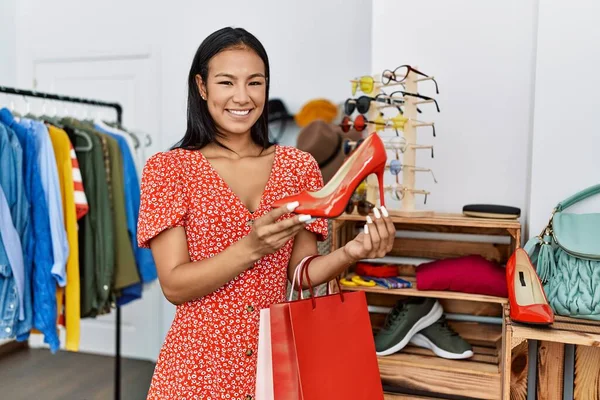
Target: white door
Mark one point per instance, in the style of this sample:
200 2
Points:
132 81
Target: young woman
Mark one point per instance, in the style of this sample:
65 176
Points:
221 251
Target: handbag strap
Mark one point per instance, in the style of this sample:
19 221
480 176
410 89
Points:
577 197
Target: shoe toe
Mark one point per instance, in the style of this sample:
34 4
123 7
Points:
533 314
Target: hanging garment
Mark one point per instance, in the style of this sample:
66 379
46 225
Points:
81 203
70 295
144 259
125 273
12 182
96 231
11 260
39 248
60 245
139 152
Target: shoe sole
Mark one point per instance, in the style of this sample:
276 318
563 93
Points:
422 341
434 314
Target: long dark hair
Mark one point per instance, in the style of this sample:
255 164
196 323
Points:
201 129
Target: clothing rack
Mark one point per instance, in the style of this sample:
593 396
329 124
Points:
119 110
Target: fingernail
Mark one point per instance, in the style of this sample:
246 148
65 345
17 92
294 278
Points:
366 229
376 212
384 212
369 220
304 217
292 206
310 221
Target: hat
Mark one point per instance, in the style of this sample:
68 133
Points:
316 109
278 111
324 142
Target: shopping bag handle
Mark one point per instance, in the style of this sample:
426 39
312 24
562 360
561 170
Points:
304 270
297 278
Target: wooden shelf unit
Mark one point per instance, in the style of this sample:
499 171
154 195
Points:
553 379
416 370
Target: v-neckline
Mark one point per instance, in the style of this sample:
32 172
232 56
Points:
233 194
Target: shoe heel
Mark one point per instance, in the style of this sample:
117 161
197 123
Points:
379 173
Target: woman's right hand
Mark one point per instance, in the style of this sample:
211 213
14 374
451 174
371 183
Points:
268 235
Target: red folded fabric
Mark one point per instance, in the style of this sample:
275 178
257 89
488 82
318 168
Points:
376 270
469 274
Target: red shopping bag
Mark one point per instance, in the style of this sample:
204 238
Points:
323 348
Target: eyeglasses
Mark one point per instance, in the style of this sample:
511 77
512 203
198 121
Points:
400 143
401 73
426 98
389 102
399 191
396 167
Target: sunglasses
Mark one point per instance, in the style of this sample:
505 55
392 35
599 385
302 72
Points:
400 74
366 84
426 99
396 167
362 104
358 201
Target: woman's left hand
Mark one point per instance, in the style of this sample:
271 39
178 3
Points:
376 240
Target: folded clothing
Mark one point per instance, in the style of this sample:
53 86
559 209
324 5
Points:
469 274
377 270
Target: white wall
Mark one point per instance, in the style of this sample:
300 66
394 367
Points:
565 140
8 41
481 53
315 46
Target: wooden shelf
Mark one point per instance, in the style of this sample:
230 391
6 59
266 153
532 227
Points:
438 375
413 292
445 219
417 371
399 396
563 330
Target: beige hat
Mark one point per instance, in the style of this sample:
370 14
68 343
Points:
324 142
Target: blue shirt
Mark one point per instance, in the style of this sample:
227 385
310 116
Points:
15 303
51 184
143 257
11 255
40 248
11 156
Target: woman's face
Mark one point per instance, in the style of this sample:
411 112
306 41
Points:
235 90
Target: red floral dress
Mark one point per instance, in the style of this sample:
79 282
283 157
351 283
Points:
210 349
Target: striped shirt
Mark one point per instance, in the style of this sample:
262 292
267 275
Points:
81 203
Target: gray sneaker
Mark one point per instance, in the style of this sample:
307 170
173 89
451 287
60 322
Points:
406 319
443 341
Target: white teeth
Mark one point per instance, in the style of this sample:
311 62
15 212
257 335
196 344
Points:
239 112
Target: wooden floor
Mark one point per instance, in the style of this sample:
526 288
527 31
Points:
38 374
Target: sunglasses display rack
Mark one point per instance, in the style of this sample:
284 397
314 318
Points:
409 155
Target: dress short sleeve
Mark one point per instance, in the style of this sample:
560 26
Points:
162 200
313 181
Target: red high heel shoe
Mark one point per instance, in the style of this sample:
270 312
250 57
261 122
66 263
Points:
528 303
332 199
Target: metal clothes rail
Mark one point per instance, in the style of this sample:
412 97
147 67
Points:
119 110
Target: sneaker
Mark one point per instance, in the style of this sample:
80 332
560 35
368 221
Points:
443 341
406 319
